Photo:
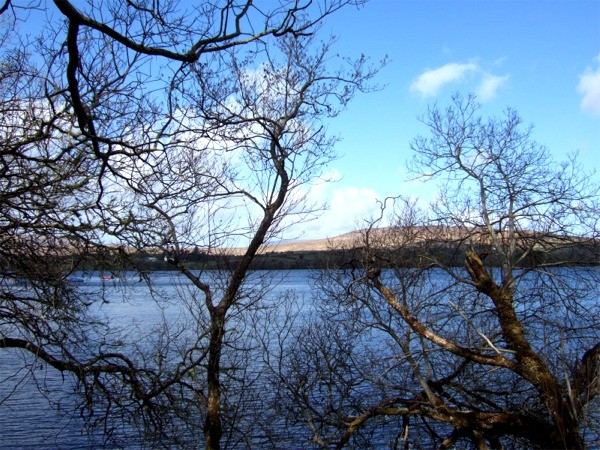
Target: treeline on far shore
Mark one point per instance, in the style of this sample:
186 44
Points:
416 256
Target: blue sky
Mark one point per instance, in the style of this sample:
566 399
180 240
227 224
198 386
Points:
540 57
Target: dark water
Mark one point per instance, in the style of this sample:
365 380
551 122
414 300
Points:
37 403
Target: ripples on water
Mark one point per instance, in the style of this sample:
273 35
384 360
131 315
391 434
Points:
37 404
27 419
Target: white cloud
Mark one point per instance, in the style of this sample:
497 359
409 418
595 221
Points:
489 86
348 209
430 82
589 87
484 84
351 206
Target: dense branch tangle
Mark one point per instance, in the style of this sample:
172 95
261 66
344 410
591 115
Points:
474 323
161 127
164 31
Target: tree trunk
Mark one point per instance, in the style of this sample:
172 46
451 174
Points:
530 364
213 428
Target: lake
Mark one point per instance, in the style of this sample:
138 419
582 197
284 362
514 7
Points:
27 421
37 409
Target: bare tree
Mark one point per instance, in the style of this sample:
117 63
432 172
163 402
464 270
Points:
268 117
480 319
156 128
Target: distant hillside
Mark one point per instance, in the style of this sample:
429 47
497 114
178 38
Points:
380 237
411 246
343 241
421 235
407 246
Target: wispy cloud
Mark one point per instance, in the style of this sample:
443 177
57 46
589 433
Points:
486 85
430 82
489 86
589 88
